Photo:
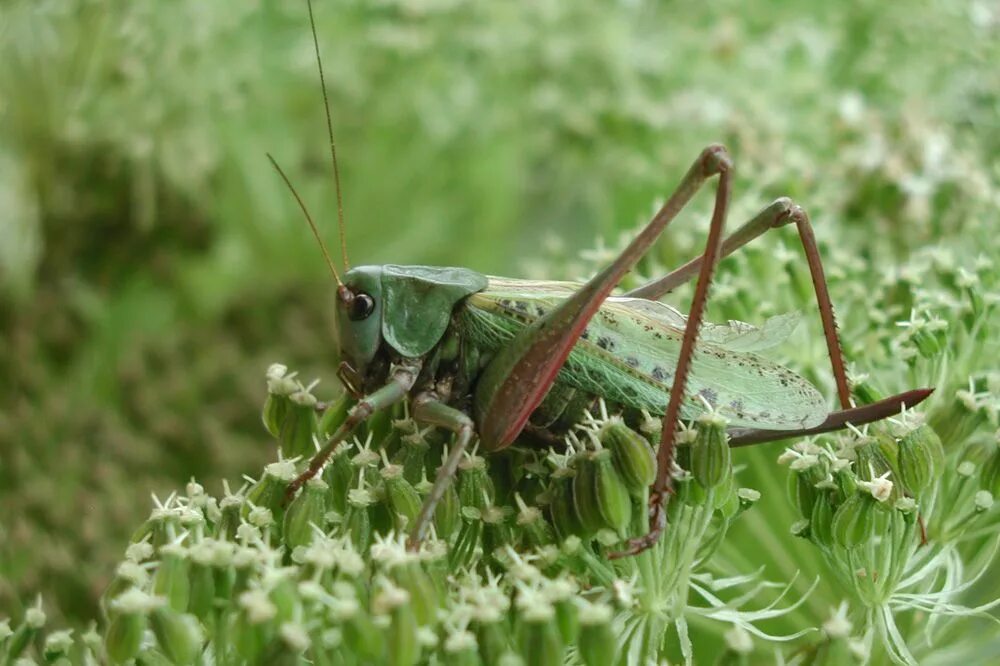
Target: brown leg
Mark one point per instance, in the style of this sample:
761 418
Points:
663 485
876 411
778 214
518 377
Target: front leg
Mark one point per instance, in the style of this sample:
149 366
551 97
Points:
428 408
401 380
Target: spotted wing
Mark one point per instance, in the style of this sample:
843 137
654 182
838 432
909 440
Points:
629 351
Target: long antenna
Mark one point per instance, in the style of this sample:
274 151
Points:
329 131
312 225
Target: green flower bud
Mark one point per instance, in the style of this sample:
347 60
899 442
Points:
253 628
231 507
567 620
562 510
129 612
359 526
612 494
469 536
800 529
300 425
632 455
57 646
403 648
403 498
493 642
127 575
363 639
801 491
172 577
497 530
423 594
927 335
475 487
446 513
990 474
202 595
306 510
412 455
710 458
920 458
379 425
537 531
872 460
588 509
853 520
541 643
339 477
596 644
358 519
865 392
178 634
275 409
889 450
821 521
964 415
846 482
682 451
124 636
460 650
285 599
727 501
269 492
334 415
250 638
34 620
689 491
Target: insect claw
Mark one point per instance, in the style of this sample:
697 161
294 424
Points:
657 525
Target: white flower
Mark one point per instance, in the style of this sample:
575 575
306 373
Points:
258 606
295 636
838 626
738 640
880 488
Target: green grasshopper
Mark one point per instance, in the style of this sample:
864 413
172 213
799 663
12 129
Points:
493 357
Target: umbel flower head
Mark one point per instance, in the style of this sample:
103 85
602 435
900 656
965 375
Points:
515 569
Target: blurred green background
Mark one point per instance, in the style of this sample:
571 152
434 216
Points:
152 264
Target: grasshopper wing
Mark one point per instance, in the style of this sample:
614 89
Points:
629 350
737 336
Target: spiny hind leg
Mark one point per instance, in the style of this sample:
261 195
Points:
428 409
518 377
663 484
778 214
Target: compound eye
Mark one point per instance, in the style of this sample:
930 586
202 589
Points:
361 307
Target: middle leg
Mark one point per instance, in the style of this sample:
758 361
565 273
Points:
427 408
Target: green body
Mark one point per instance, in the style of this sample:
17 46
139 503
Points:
458 320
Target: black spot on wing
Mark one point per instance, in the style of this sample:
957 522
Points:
660 374
710 396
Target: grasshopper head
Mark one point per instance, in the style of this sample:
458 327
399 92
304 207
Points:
405 308
359 316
